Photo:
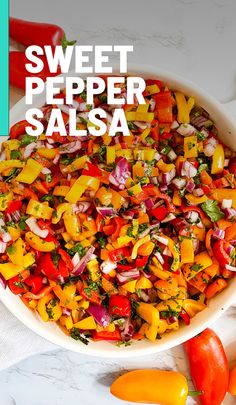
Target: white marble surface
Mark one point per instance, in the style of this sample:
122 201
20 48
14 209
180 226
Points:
194 38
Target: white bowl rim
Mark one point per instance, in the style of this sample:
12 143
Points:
224 300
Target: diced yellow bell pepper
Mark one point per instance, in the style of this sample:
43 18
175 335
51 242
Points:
143 107
143 283
75 192
87 323
192 199
137 245
139 116
134 190
77 164
175 253
144 134
218 160
28 260
123 241
41 307
146 249
11 144
130 286
39 210
199 233
61 190
177 200
94 270
10 164
108 286
129 139
61 208
9 270
192 307
187 251
183 107
54 310
69 291
110 154
39 244
4 200
149 313
171 304
125 153
219 194
72 224
190 146
47 153
107 139
30 172
15 232
165 167
201 261
69 322
16 252
89 182
144 154
151 333
152 89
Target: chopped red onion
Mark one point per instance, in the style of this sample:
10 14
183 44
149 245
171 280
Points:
159 257
149 203
100 314
188 169
107 266
168 176
152 104
29 149
167 252
229 249
196 245
186 130
218 233
120 174
66 311
106 211
168 218
164 188
226 163
79 268
157 156
162 240
128 330
3 246
83 206
140 124
231 268
192 216
126 276
226 203
33 226
144 296
75 259
70 147
172 319
179 183
175 125
3 281
16 216
45 170
56 159
172 155
198 192
230 213
128 214
190 186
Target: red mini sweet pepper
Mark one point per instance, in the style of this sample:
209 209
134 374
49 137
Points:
119 305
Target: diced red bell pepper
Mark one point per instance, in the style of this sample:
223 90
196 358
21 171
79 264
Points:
125 267
220 253
159 213
221 183
169 205
18 129
119 305
66 258
13 206
150 190
35 282
141 261
118 223
51 238
166 135
149 82
154 130
164 106
109 229
63 269
105 335
119 254
206 189
16 286
92 170
47 267
185 317
91 295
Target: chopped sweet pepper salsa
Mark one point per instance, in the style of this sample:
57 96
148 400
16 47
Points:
119 238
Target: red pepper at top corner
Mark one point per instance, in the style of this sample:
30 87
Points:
36 33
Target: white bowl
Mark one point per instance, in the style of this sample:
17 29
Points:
50 331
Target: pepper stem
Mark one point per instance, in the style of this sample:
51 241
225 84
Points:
194 393
65 43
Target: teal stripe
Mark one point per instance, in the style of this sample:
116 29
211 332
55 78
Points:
4 64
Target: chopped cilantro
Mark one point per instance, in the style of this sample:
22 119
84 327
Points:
21 223
196 267
48 177
142 227
55 257
132 126
27 139
15 154
211 208
12 174
75 334
66 160
78 248
102 241
203 166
